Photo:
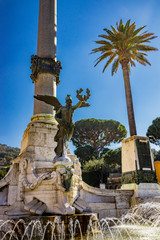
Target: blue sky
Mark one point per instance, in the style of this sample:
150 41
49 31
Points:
79 24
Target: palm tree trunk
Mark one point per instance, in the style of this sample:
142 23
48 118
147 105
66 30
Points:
130 110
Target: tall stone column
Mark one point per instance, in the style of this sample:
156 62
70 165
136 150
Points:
38 138
45 68
47 29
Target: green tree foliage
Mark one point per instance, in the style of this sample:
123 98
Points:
85 153
112 159
153 131
7 154
104 151
154 152
97 133
123 46
157 156
3 172
96 171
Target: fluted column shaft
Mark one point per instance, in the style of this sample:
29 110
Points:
47 29
45 83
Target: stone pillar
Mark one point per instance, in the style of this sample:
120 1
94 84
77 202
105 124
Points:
138 171
47 29
45 85
45 69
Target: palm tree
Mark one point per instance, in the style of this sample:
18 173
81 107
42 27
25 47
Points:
125 45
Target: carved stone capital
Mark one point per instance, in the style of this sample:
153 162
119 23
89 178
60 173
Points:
44 65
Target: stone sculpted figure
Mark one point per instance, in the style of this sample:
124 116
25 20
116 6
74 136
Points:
64 117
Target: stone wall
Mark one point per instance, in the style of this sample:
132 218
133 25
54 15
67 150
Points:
106 202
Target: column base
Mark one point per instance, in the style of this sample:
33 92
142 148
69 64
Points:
48 118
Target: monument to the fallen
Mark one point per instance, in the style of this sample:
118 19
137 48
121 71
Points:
46 178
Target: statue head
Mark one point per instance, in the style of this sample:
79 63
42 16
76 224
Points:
68 100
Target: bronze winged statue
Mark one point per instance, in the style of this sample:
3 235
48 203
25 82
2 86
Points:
64 117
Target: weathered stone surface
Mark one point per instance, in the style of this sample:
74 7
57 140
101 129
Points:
17 209
129 155
101 206
137 161
32 203
82 202
81 205
121 212
144 189
36 207
105 192
3 211
91 197
78 208
45 85
12 194
122 201
38 141
141 200
4 196
107 213
12 176
47 29
41 209
108 203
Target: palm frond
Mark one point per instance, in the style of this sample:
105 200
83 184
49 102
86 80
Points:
108 37
131 29
125 43
101 49
141 59
114 30
132 63
102 57
120 27
148 39
105 43
147 36
109 61
115 66
145 48
138 30
127 24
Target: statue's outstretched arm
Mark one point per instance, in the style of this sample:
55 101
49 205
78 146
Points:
82 99
78 105
81 104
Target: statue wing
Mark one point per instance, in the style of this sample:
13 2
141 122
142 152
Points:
84 104
51 100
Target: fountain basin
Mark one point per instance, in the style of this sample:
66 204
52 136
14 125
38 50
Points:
47 227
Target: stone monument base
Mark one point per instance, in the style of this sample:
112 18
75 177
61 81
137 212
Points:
36 184
138 171
137 162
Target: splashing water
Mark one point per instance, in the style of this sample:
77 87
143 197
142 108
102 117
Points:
140 223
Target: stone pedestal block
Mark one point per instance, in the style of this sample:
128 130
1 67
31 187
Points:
138 172
38 142
137 161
